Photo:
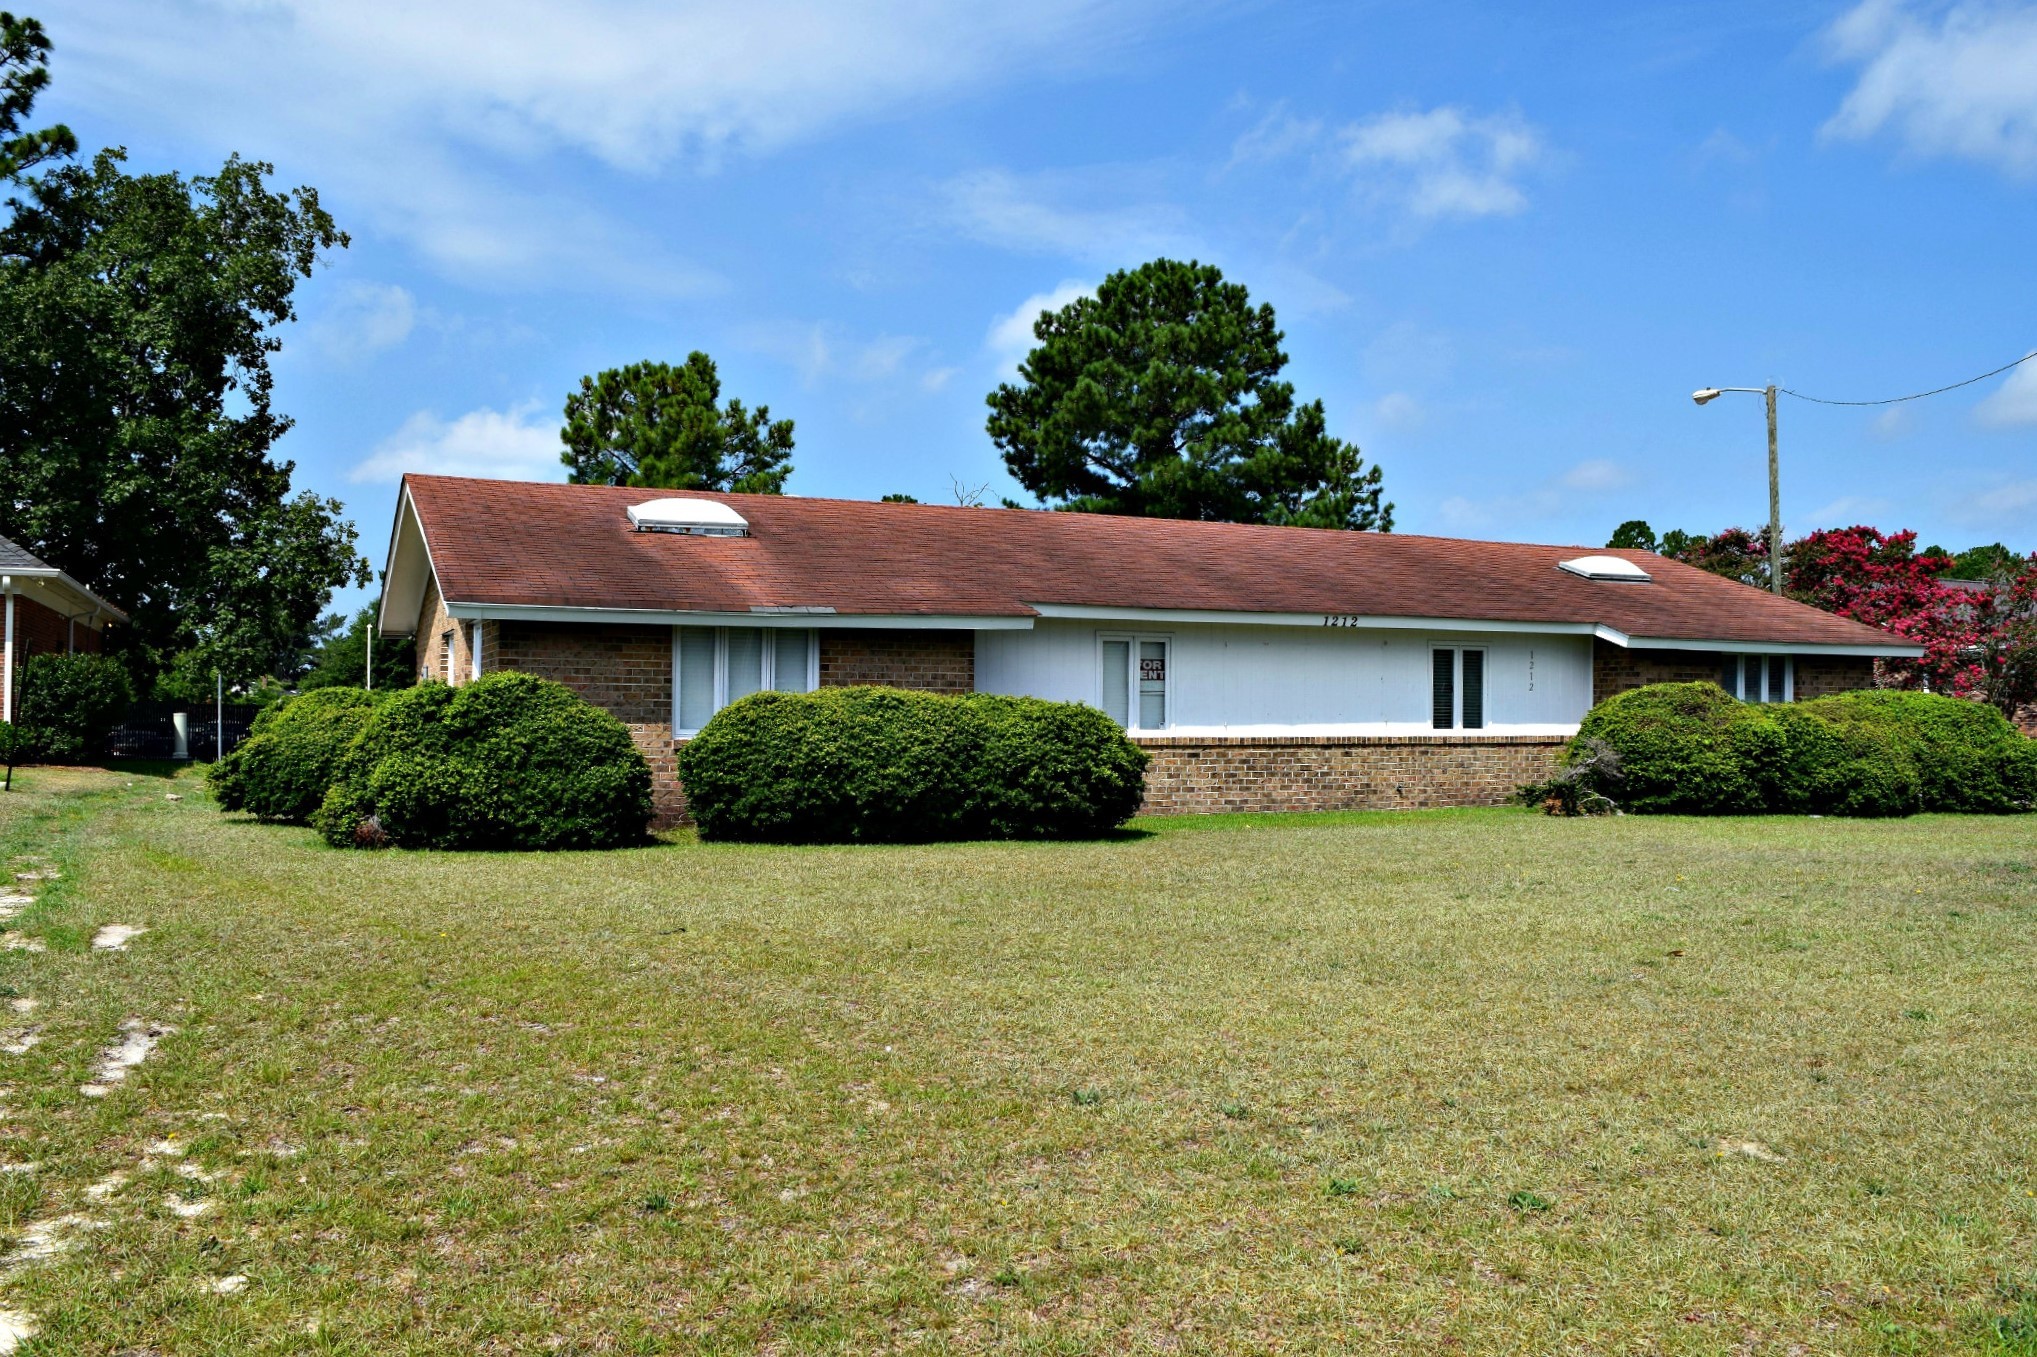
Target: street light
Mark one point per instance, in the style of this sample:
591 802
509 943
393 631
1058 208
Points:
1712 393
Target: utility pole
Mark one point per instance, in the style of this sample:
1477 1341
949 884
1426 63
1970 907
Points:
1767 393
1774 500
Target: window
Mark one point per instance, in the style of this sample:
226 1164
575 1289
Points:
1758 678
1456 689
446 645
1135 681
713 666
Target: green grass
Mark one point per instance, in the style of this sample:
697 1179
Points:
1457 1080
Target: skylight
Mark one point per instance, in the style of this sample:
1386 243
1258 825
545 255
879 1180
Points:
693 517
1606 568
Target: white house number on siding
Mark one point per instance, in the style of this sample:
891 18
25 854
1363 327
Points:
1342 619
1531 671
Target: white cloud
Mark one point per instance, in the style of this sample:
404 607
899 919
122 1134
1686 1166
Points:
1890 425
1999 507
1276 136
1445 162
1848 510
365 319
1557 498
2014 403
820 350
1011 335
1596 476
519 444
427 120
1031 214
1957 80
1399 410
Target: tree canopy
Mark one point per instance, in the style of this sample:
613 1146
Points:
1161 396
655 425
1979 636
339 657
24 74
138 314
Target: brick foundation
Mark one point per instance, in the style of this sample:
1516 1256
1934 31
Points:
930 661
1191 776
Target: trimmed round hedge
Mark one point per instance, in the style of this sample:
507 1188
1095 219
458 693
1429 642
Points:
68 705
1689 748
281 771
509 761
886 765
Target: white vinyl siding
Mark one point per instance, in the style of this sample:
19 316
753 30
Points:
1239 679
713 666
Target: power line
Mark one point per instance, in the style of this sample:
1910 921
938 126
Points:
1898 400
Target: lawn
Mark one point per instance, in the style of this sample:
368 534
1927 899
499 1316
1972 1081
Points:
1462 1081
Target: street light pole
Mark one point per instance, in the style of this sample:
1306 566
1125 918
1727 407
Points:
1712 393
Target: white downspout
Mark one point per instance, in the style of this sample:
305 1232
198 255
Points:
7 666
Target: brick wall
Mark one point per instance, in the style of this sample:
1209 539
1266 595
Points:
433 624
932 661
42 630
1823 675
1614 669
1190 776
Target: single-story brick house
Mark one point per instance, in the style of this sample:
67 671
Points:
46 612
1264 668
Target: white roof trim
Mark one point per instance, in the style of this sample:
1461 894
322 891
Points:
43 575
403 588
1089 612
804 621
1614 635
1894 650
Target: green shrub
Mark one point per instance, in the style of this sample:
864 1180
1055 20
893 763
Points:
507 761
1688 747
281 772
883 764
1965 753
1839 767
66 707
1683 748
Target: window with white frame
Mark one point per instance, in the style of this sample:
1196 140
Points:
1456 688
1135 679
446 645
1758 678
713 666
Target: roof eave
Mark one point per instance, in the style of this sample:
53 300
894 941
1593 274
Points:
95 606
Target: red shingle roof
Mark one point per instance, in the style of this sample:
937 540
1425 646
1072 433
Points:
571 546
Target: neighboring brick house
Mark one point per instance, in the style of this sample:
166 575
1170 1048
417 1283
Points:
1264 668
45 612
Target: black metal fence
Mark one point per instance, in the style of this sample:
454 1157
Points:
150 730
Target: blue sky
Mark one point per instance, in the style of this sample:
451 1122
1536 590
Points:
1506 242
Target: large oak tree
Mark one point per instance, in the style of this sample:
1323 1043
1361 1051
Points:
1161 396
138 314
